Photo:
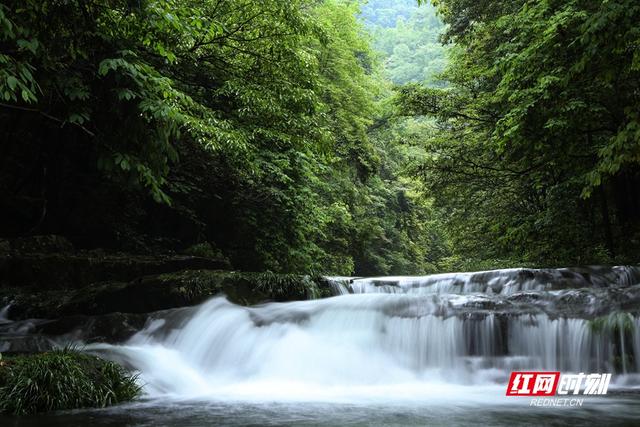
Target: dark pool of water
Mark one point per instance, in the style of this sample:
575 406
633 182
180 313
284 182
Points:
618 409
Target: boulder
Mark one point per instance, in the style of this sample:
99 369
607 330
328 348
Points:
110 328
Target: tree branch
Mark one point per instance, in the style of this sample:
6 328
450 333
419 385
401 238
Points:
48 116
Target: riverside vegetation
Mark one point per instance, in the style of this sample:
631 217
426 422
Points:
62 379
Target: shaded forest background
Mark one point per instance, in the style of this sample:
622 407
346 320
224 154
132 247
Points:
329 136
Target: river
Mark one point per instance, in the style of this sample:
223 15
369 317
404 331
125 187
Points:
434 350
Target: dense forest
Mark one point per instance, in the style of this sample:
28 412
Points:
333 136
407 39
537 149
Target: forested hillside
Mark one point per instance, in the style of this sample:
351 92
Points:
242 128
407 37
536 156
324 136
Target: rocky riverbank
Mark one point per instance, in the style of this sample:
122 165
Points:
50 290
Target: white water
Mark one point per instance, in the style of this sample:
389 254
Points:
364 347
4 313
341 349
504 282
458 283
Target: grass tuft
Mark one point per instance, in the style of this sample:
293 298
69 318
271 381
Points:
284 286
62 379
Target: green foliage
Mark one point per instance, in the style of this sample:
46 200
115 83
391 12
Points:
283 286
243 79
407 36
335 209
619 327
16 74
62 379
536 158
613 324
306 171
204 250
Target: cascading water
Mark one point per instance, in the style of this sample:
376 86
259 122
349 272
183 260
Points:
4 311
395 338
503 282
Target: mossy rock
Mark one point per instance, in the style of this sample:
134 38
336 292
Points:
160 292
189 287
41 244
76 270
62 379
5 247
207 250
111 328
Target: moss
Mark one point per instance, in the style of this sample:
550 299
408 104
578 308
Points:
619 328
163 291
280 286
49 271
195 286
613 323
62 379
33 302
207 250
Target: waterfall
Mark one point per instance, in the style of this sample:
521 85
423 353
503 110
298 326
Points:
4 314
505 282
4 311
394 333
339 285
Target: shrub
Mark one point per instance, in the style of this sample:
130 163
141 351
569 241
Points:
205 250
284 287
62 379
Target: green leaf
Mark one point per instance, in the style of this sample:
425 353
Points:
12 82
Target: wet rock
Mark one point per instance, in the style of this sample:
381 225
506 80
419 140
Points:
628 299
110 328
41 244
573 298
159 292
485 303
525 297
59 270
525 274
5 247
33 303
25 344
391 283
146 294
330 287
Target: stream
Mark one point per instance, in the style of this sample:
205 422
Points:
433 350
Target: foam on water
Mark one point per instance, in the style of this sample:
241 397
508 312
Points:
504 282
368 346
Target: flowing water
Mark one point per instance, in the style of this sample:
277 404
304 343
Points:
434 350
4 311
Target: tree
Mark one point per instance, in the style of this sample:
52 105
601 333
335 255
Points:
536 156
407 37
249 122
